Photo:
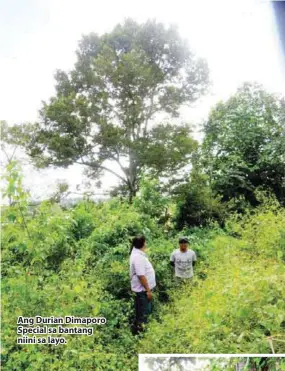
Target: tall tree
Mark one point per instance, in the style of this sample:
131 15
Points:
244 145
105 108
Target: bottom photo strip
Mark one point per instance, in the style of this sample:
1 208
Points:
205 362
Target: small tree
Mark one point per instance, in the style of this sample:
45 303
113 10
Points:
244 145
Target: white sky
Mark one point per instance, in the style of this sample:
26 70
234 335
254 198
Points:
238 40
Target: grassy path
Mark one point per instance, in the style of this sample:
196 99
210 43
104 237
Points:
234 310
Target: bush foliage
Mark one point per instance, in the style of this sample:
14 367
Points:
241 303
58 262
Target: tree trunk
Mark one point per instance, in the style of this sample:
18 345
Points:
132 175
132 194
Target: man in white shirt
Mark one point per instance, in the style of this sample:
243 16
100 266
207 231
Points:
183 260
142 277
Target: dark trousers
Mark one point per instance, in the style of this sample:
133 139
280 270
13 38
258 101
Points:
143 307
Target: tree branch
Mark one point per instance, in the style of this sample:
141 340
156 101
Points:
11 157
119 163
92 165
150 112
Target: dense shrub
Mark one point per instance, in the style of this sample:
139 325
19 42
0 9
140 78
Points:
197 203
240 303
58 262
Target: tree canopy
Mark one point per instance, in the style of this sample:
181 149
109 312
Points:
105 108
244 146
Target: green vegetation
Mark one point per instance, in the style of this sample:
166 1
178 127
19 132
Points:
59 261
104 107
248 364
241 302
244 144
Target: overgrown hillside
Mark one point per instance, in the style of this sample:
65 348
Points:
58 262
118 111
239 307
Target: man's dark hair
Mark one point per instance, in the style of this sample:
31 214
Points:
138 242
